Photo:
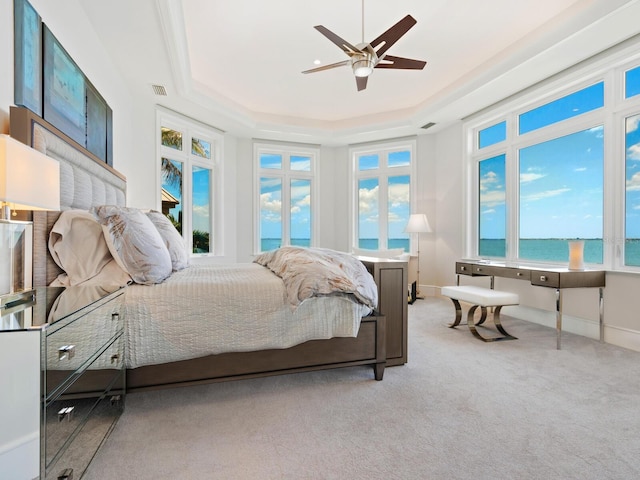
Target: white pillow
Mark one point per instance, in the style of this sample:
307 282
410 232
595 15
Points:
135 243
172 239
77 245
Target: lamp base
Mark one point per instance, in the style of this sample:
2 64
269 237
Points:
413 293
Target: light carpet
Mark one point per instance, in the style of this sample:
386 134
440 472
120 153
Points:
460 409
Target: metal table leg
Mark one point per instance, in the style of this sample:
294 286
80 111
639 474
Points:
558 318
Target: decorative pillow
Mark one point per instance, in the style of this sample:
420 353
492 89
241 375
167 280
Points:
135 243
172 239
77 245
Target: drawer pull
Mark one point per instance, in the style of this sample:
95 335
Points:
66 412
115 357
115 317
478 269
66 474
66 351
463 268
519 274
115 400
543 278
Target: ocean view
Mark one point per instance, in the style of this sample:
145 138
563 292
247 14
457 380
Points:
552 250
368 243
557 250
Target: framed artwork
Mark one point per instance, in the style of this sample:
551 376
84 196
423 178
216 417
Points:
64 90
27 56
96 123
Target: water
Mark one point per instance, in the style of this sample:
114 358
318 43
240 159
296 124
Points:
367 243
557 250
544 250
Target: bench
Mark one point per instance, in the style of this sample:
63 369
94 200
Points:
483 298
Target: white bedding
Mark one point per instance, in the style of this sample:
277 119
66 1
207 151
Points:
211 309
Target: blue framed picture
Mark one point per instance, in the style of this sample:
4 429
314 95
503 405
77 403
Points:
64 90
27 57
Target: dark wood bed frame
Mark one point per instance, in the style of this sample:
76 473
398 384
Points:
368 348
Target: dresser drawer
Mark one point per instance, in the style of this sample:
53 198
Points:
96 378
545 278
67 414
78 454
70 348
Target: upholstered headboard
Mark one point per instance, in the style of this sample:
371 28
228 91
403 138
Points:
85 181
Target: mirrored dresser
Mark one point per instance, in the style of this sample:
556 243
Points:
62 379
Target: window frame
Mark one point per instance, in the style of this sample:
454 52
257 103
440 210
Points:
608 68
286 174
193 129
381 148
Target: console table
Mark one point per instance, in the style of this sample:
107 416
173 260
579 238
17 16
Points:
557 278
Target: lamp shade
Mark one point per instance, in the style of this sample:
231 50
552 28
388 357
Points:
29 180
418 223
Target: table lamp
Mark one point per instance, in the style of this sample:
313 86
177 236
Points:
29 180
418 223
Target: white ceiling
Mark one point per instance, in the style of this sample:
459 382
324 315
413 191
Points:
237 64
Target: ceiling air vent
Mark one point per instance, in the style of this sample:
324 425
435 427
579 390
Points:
428 125
159 90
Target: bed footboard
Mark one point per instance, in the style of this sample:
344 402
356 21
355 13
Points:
368 348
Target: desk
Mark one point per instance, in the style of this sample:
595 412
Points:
558 278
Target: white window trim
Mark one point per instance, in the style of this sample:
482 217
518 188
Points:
608 67
170 119
356 151
286 150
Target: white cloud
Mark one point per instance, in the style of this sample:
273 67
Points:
399 194
488 211
270 207
530 177
633 184
580 169
633 152
633 123
368 200
492 198
546 194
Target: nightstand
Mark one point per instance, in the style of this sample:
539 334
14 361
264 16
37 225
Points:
63 379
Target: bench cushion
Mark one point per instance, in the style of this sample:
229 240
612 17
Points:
481 296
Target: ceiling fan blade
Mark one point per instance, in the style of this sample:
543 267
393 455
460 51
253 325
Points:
327 67
400 62
361 82
345 46
391 36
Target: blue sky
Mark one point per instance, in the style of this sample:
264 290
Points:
271 198
398 201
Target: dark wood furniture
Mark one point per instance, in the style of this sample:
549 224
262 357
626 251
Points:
557 278
391 277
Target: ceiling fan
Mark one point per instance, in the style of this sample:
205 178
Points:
364 57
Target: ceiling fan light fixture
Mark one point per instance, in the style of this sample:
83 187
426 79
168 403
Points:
363 67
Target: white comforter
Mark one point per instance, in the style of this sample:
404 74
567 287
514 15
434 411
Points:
211 309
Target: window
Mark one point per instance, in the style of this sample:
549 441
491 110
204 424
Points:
189 165
287 187
632 189
493 214
563 108
561 196
545 182
382 195
632 82
491 135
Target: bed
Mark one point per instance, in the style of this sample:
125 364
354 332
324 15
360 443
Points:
87 182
